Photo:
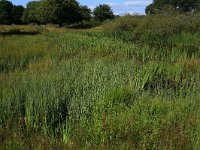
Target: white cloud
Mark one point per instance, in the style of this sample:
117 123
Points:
137 3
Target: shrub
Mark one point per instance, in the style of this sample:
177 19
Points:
155 28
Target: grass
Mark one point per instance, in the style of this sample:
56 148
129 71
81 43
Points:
85 89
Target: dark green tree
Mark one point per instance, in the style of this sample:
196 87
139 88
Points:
59 11
71 11
31 12
178 5
103 12
17 13
85 13
5 12
151 9
188 5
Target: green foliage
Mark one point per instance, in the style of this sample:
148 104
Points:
183 6
151 9
155 29
10 13
17 13
103 12
85 13
60 12
44 12
5 12
31 12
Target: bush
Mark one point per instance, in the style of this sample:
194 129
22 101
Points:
155 28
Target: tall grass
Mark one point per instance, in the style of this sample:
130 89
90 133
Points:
85 89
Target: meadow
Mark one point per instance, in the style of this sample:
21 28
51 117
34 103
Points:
111 87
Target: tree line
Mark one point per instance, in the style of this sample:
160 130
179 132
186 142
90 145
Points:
66 12
62 12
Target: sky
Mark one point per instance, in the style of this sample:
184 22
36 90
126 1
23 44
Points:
119 7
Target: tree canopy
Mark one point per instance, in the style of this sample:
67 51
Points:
56 12
5 12
85 13
31 12
178 5
103 12
10 13
59 11
17 13
62 12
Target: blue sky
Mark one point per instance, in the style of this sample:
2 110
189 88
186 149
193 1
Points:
118 6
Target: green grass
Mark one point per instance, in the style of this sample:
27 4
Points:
85 89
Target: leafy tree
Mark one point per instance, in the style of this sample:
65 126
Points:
151 9
188 5
178 5
31 12
71 12
17 13
59 11
5 12
103 12
85 13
